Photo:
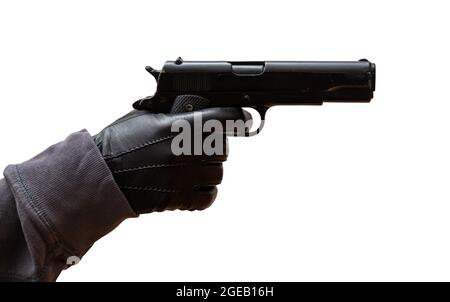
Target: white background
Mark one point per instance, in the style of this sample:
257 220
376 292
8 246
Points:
341 192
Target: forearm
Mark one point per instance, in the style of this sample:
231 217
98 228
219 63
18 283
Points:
55 206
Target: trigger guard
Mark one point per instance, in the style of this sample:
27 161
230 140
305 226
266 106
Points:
262 114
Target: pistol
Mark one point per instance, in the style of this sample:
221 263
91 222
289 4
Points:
193 85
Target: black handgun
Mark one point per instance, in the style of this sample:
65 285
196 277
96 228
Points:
187 86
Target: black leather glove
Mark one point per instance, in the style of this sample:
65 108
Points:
137 149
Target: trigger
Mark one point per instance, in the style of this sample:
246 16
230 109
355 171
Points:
155 73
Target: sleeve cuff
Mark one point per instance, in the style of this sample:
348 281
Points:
69 195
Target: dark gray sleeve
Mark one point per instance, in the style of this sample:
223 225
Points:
54 207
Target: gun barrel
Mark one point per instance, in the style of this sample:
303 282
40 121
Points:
272 82
322 81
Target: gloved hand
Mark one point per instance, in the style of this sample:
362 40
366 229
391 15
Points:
137 149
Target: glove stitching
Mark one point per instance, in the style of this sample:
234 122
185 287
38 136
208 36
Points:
147 167
148 189
151 142
135 115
